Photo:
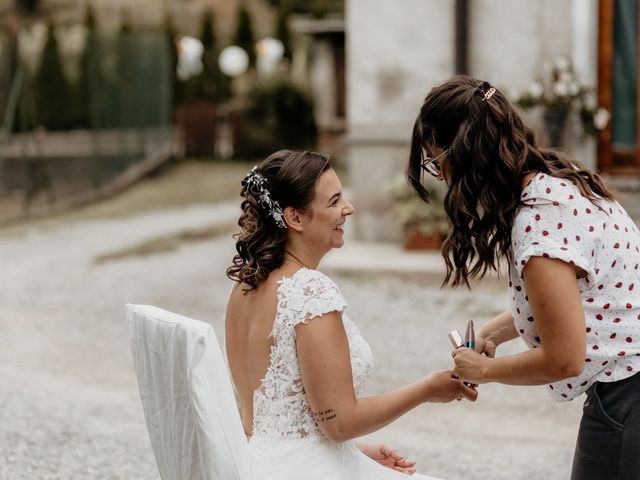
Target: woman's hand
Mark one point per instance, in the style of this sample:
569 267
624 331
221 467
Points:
444 386
388 457
470 364
486 346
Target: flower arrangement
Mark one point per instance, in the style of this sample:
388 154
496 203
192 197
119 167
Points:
559 90
415 215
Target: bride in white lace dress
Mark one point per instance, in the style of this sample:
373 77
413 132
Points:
298 363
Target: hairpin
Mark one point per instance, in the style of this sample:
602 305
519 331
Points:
488 94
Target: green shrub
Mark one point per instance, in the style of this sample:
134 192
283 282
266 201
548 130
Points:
244 35
278 115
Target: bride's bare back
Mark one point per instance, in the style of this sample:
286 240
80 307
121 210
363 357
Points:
248 323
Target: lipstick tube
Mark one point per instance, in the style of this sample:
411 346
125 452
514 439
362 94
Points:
470 336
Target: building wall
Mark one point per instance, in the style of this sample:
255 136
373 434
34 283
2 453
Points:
397 51
394 50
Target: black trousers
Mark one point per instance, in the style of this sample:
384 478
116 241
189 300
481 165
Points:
608 445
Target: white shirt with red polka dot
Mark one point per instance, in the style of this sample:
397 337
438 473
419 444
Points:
556 221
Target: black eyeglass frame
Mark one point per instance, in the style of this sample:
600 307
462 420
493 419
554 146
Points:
431 165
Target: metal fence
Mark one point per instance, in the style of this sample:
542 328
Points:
65 144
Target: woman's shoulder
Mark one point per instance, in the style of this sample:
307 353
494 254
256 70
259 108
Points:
311 291
544 189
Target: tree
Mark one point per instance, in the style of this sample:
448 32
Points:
209 75
244 34
318 8
85 114
170 35
211 84
282 29
28 7
125 112
52 87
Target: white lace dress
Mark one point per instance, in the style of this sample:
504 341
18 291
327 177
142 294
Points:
286 442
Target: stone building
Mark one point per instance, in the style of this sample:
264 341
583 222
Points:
396 51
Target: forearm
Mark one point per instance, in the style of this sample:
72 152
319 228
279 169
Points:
533 367
556 305
499 329
368 414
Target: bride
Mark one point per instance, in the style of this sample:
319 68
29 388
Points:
297 361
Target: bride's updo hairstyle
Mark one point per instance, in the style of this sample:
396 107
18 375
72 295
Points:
285 179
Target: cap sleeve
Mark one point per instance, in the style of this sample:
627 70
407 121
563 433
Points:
551 230
307 295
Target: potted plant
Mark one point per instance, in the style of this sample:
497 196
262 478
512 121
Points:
558 91
423 223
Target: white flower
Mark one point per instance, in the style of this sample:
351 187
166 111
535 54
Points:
565 77
589 100
574 88
511 93
601 118
560 89
535 89
562 64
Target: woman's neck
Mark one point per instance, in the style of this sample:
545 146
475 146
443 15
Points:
301 257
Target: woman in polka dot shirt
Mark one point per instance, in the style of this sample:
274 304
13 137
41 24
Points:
573 256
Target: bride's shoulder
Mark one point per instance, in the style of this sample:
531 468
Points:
307 281
309 293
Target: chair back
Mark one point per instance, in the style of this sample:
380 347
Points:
188 401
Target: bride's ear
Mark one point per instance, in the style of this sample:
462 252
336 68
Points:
293 218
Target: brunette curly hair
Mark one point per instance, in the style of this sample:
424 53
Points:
289 178
489 151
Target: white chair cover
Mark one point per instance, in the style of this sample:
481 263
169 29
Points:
188 401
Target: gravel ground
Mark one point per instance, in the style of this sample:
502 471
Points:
70 406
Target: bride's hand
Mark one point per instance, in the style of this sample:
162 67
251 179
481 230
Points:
444 386
388 457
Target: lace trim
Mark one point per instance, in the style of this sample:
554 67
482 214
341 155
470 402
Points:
280 406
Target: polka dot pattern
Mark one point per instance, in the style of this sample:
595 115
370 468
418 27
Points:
556 221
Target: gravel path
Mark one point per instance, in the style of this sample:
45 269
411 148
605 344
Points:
70 406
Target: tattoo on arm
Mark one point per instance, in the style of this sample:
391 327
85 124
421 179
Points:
324 415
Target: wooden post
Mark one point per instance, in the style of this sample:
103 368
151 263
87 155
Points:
605 78
462 36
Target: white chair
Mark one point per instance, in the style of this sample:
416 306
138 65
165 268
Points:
188 401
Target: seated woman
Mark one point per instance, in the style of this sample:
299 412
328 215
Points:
297 361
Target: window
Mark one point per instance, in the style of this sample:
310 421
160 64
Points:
619 85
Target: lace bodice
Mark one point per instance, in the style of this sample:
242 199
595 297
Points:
280 406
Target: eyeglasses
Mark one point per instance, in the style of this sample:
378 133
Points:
431 165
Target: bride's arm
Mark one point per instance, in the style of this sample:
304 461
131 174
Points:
325 366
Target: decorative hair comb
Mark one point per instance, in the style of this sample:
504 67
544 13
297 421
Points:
275 211
488 94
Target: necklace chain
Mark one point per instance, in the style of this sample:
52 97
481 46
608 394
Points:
295 258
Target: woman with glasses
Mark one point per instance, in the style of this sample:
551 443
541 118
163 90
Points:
573 257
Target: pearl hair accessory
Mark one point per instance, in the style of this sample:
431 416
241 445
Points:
255 179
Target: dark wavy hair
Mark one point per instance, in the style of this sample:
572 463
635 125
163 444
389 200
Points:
290 178
489 153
